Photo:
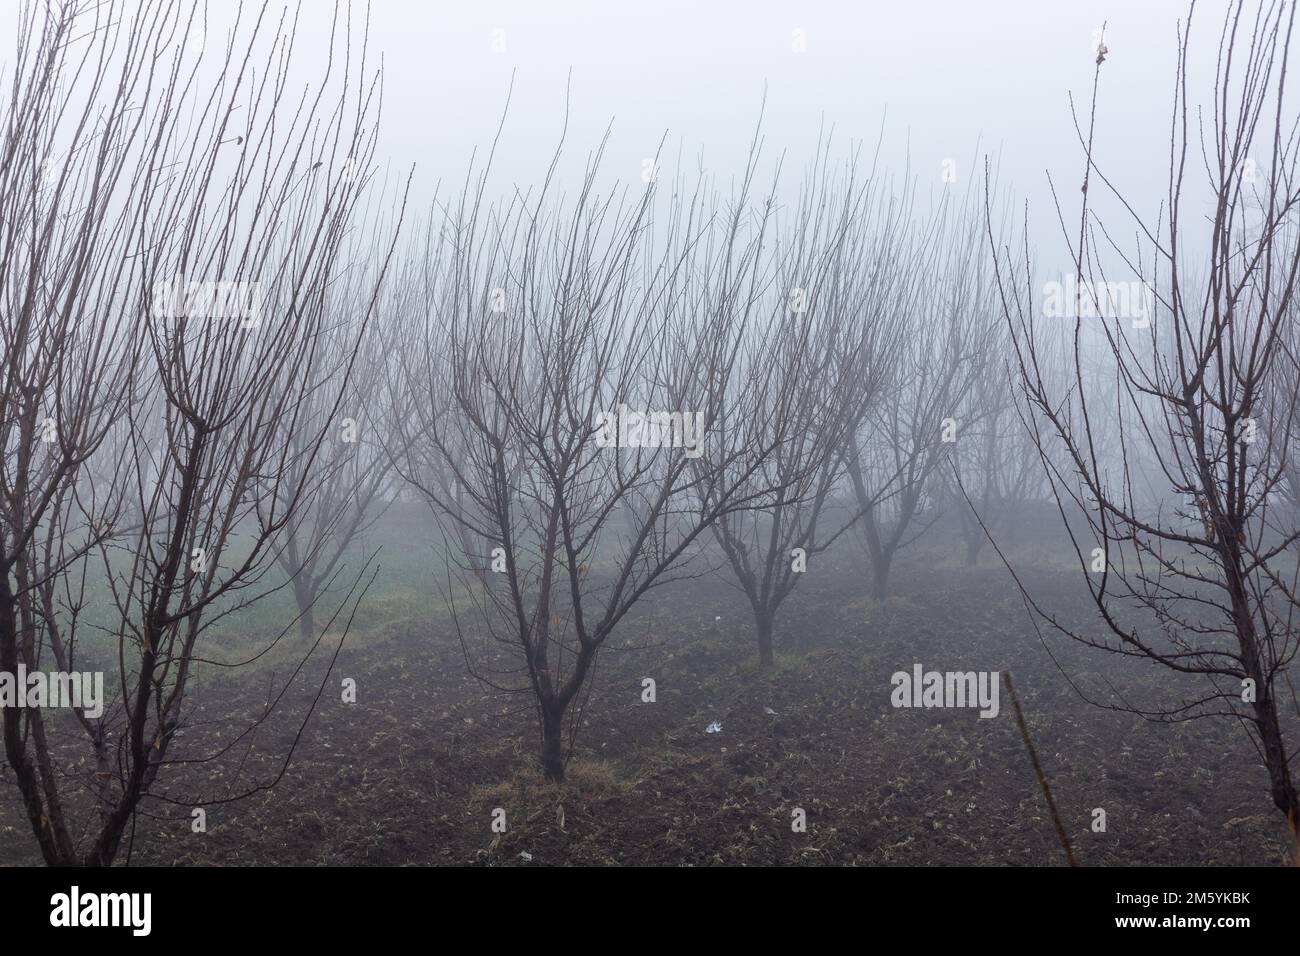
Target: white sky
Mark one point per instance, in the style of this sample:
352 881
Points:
946 76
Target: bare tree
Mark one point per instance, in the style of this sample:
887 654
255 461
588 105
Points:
1200 580
416 330
994 466
816 363
941 298
171 224
589 364
345 486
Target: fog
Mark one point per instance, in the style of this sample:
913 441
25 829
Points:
590 434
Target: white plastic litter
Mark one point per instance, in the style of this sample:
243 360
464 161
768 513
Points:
714 728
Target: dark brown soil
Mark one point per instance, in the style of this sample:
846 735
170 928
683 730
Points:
412 772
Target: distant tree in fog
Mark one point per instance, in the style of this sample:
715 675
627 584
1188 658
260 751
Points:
419 402
816 358
345 484
994 467
941 308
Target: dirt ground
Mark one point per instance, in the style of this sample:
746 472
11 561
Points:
414 770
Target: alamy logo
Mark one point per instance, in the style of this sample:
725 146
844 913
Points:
103 909
923 688
1072 299
178 299
626 428
56 689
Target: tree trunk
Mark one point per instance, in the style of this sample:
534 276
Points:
307 625
1276 759
1281 786
110 835
306 605
15 743
552 743
880 578
764 624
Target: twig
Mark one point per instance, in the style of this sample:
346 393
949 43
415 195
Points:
1038 769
